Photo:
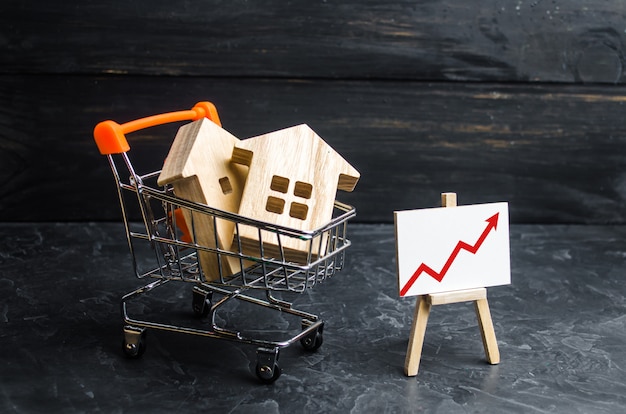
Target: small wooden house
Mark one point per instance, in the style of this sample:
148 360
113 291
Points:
292 181
198 167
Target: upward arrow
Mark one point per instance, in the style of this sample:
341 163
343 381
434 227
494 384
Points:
492 223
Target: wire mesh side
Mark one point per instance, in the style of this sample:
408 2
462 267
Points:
184 243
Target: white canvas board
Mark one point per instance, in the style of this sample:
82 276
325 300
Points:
452 248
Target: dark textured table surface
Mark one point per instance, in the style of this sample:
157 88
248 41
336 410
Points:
561 329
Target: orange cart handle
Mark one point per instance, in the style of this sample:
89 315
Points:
111 136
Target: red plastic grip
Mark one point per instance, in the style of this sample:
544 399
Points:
110 136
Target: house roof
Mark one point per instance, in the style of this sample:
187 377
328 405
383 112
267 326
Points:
292 167
201 148
297 150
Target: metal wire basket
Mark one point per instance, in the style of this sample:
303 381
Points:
163 250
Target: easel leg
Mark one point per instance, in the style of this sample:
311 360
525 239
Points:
416 339
486 331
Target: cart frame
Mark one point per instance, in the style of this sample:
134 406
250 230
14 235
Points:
176 253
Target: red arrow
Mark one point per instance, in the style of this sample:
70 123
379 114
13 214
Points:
492 223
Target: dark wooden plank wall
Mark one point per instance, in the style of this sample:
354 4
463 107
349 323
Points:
518 101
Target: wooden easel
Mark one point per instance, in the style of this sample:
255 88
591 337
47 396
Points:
422 311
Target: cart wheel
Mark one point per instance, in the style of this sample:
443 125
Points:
135 348
201 310
313 341
267 369
266 374
201 303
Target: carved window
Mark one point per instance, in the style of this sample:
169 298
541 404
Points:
301 192
225 185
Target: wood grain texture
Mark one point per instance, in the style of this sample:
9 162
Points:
420 321
469 40
500 101
554 152
293 179
416 336
467 295
448 200
198 167
487 332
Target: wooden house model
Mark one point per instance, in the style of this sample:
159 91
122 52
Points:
198 167
292 181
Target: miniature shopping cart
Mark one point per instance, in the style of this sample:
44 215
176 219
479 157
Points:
162 251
